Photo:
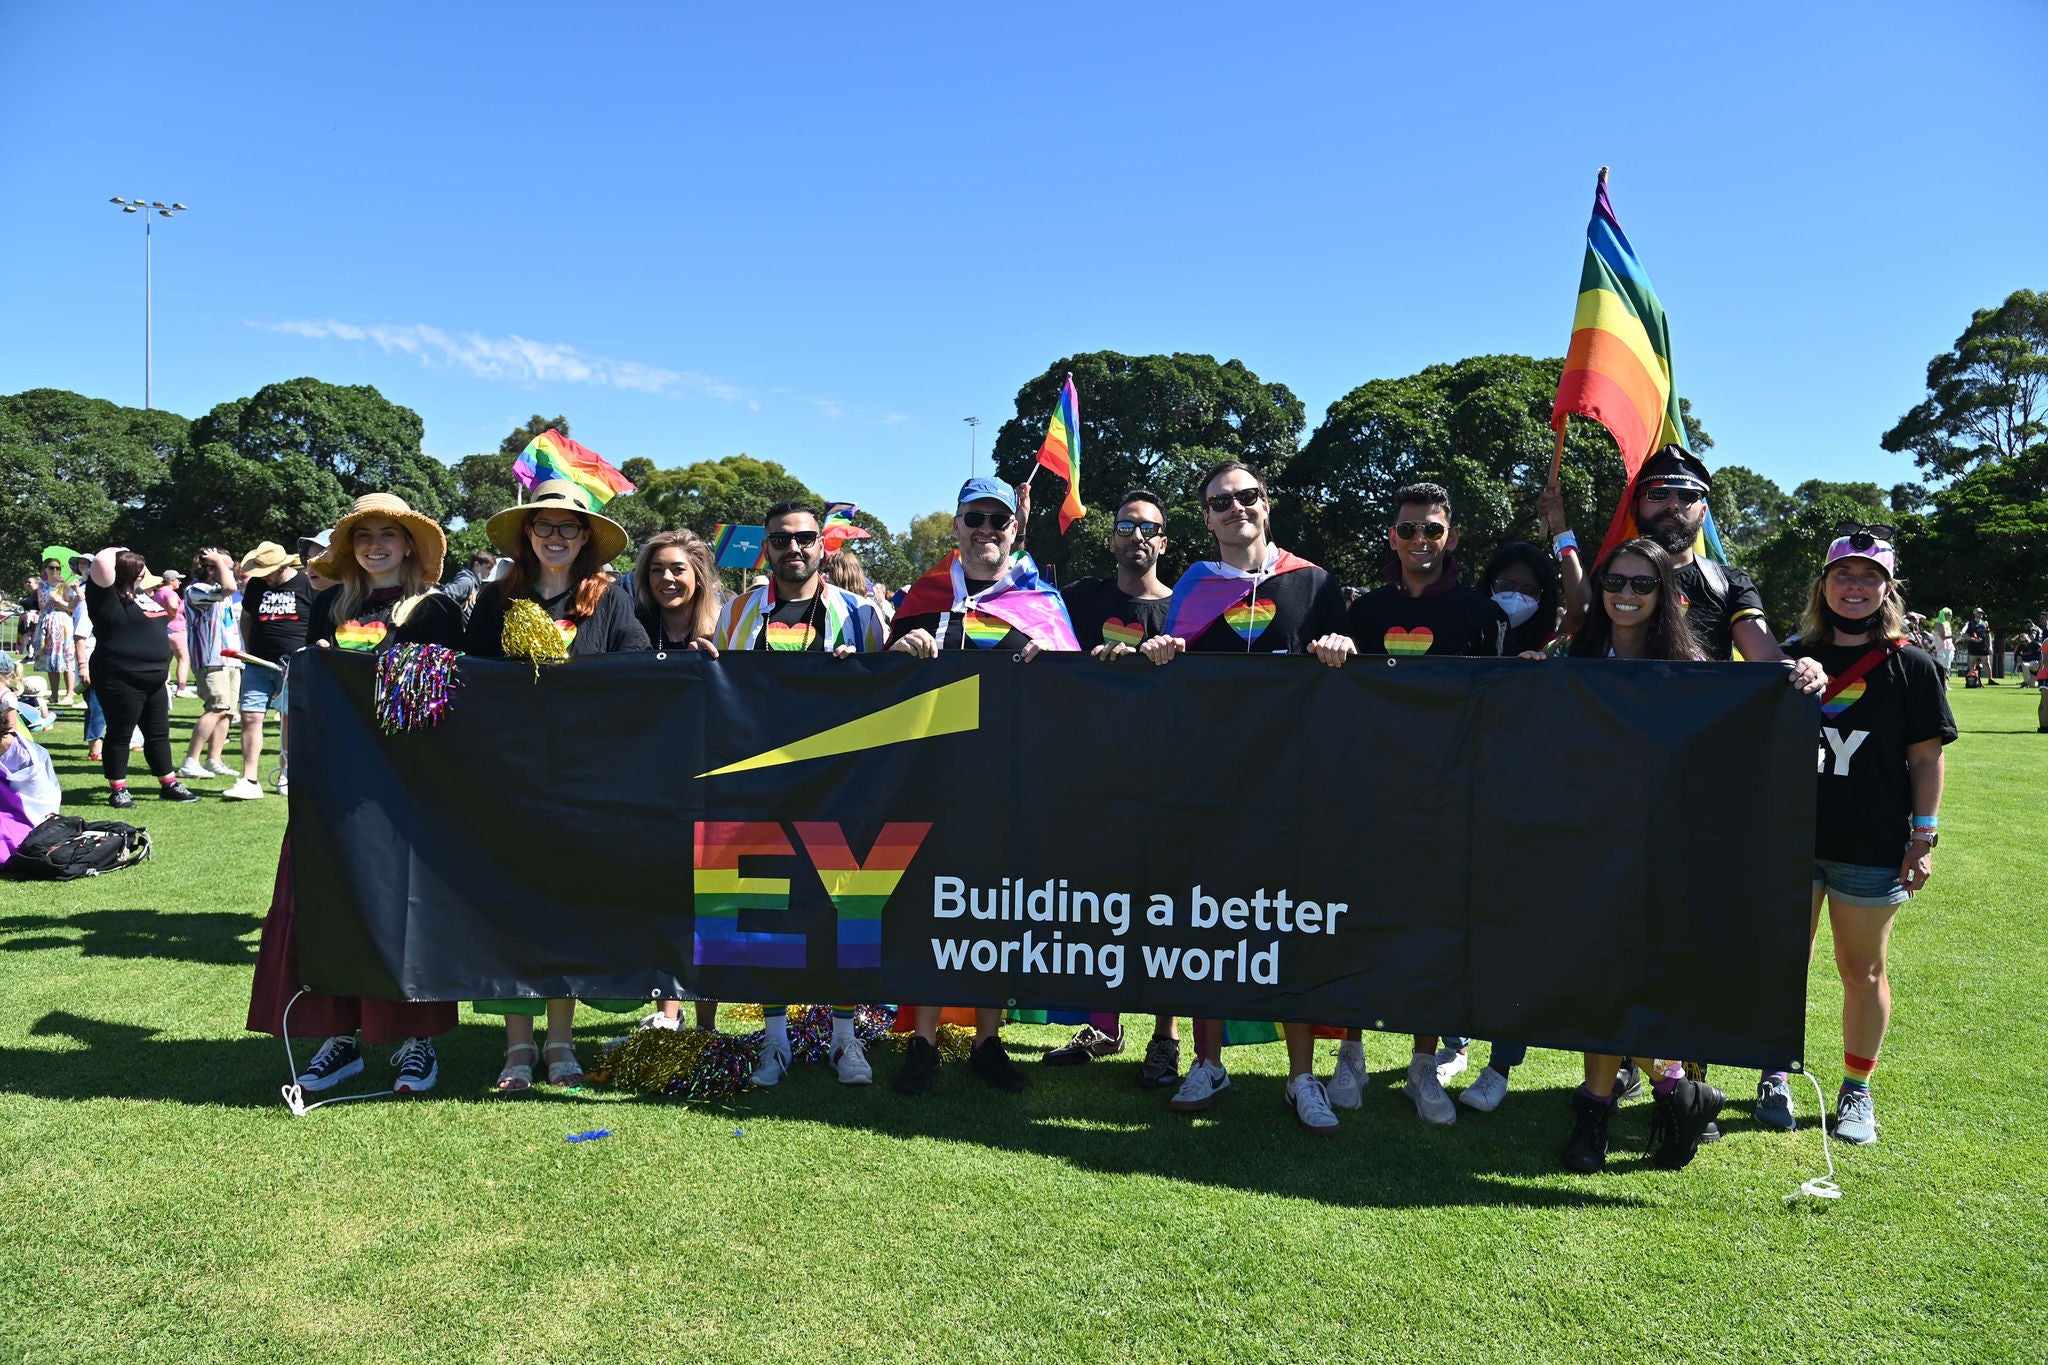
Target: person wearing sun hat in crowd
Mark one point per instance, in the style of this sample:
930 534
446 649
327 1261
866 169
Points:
132 662
382 560
555 548
1884 721
56 651
277 612
170 594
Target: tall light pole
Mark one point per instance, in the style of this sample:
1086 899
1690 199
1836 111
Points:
157 208
972 436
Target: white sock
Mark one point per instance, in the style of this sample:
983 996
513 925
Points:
842 1028
778 1030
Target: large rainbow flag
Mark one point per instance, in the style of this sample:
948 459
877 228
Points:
1061 452
1617 370
551 455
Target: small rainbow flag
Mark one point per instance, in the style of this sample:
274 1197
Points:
551 455
838 526
1061 452
738 547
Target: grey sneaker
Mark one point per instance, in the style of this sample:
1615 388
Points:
1311 1104
1856 1117
1206 1081
1348 1081
1774 1103
1432 1105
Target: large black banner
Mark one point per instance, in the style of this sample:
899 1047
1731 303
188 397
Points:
1572 854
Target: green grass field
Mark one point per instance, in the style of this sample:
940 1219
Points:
161 1204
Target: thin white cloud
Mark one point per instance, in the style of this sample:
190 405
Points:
828 407
515 358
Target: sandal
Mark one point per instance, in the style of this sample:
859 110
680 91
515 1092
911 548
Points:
517 1077
567 1072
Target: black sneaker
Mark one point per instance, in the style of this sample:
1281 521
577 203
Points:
1628 1085
338 1059
119 799
1586 1152
920 1068
177 791
1085 1046
1680 1119
992 1063
418 1068
1162 1064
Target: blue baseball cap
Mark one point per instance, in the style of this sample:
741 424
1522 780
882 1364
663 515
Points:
975 489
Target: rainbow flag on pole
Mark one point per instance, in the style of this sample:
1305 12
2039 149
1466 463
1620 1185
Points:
1061 452
838 526
551 455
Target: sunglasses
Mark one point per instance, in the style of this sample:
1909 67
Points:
556 530
1143 530
1643 583
1862 537
1684 497
995 521
1428 530
782 540
1243 497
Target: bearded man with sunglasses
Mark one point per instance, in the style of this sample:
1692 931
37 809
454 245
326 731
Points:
1253 598
798 609
1722 606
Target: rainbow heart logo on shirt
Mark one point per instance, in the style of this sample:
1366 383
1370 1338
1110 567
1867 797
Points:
1844 699
360 634
1116 632
1408 642
1249 619
985 631
568 629
784 635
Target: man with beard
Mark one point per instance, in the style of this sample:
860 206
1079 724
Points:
798 611
1254 597
1111 619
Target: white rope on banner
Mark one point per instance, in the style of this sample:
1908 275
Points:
294 1097
1820 1187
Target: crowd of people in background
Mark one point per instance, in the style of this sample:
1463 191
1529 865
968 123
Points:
131 640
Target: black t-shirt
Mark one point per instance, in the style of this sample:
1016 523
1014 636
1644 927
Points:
1712 613
434 620
1458 622
1104 614
1866 791
275 619
1977 637
1287 612
611 628
2027 652
128 636
795 627
968 629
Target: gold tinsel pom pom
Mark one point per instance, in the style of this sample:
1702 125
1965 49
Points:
529 634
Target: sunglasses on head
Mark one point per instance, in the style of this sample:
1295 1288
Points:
995 521
1684 497
1862 537
782 540
1643 583
1243 497
1428 530
1143 530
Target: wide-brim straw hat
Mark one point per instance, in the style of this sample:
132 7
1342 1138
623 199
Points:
557 495
429 541
149 582
266 559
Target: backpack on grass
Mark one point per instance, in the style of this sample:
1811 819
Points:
64 847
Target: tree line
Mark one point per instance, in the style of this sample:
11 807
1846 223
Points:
289 458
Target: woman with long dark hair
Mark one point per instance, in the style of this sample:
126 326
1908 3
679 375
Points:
1637 611
131 662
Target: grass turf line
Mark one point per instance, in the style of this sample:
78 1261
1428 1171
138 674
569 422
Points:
161 1204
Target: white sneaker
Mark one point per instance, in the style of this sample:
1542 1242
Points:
219 769
850 1060
1311 1104
1348 1081
284 787
188 692
1432 1105
243 790
1486 1093
659 1020
1449 1062
1206 1081
192 770
774 1064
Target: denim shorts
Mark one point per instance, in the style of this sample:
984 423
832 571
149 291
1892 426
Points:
1853 884
262 689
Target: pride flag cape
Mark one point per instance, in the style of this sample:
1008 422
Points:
1210 588
551 455
1061 452
1020 597
838 527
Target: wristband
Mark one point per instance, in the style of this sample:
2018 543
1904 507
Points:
1564 540
1926 822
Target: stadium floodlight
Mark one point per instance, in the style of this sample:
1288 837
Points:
143 206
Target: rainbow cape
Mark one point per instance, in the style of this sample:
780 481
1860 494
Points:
1061 452
551 455
1209 588
1020 597
838 527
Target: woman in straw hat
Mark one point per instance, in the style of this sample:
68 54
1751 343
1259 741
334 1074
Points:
556 549
382 558
130 664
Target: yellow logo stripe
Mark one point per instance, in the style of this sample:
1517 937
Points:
947 710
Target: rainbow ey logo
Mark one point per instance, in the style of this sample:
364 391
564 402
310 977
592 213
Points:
859 891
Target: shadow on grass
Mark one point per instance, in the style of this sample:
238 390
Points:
212 936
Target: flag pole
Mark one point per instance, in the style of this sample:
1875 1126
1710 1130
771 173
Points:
1557 456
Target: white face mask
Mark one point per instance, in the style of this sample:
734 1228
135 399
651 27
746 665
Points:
1518 605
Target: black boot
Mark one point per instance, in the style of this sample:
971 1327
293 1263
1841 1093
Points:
1681 1118
1587 1150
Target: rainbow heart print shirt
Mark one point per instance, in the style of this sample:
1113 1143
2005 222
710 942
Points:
362 635
1120 632
1408 643
1250 619
795 637
985 632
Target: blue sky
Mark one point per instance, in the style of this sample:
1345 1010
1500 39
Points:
824 235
